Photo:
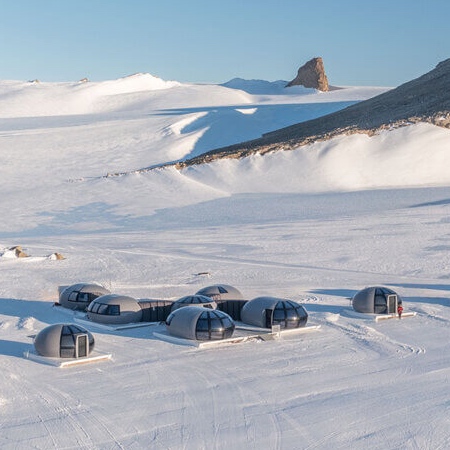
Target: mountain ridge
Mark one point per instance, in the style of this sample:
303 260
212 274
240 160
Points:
424 99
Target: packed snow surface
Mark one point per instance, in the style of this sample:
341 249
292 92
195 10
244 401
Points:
314 225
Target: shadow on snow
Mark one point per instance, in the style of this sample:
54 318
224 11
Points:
13 348
227 125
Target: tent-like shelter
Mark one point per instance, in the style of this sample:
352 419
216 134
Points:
220 292
376 300
192 322
78 296
228 298
194 300
64 341
265 312
114 309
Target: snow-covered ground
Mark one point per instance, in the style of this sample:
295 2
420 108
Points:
314 225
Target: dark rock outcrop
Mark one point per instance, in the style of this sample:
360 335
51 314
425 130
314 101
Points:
424 99
18 251
311 75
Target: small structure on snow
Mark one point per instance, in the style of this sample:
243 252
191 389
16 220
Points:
64 341
201 324
265 312
114 309
376 300
79 296
221 292
194 300
228 298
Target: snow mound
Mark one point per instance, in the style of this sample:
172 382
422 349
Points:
394 158
26 323
133 83
38 99
332 317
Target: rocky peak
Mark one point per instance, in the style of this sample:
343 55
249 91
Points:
311 75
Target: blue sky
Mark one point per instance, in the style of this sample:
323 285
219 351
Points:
362 42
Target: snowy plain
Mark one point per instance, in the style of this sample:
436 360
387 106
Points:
314 225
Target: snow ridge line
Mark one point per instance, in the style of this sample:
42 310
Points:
257 146
239 151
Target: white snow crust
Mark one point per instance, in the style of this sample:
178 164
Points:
314 225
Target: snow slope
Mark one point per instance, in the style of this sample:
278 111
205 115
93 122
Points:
314 225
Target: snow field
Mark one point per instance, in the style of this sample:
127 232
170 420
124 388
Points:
314 225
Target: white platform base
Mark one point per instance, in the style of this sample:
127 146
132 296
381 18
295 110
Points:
67 362
244 334
112 327
394 316
378 317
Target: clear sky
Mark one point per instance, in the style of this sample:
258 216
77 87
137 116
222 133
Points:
362 42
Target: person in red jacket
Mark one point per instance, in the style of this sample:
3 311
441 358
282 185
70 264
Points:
399 311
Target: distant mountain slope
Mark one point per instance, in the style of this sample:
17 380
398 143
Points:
425 99
257 86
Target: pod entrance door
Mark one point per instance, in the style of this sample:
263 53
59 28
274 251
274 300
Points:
269 313
392 304
81 349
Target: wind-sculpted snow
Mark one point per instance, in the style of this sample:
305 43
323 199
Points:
408 156
316 249
225 125
314 226
425 99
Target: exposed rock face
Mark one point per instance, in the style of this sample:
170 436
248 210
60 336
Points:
424 99
311 75
18 252
56 256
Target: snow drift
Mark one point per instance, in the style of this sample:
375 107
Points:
309 225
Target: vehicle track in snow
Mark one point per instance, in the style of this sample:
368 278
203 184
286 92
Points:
195 256
376 341
63 422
